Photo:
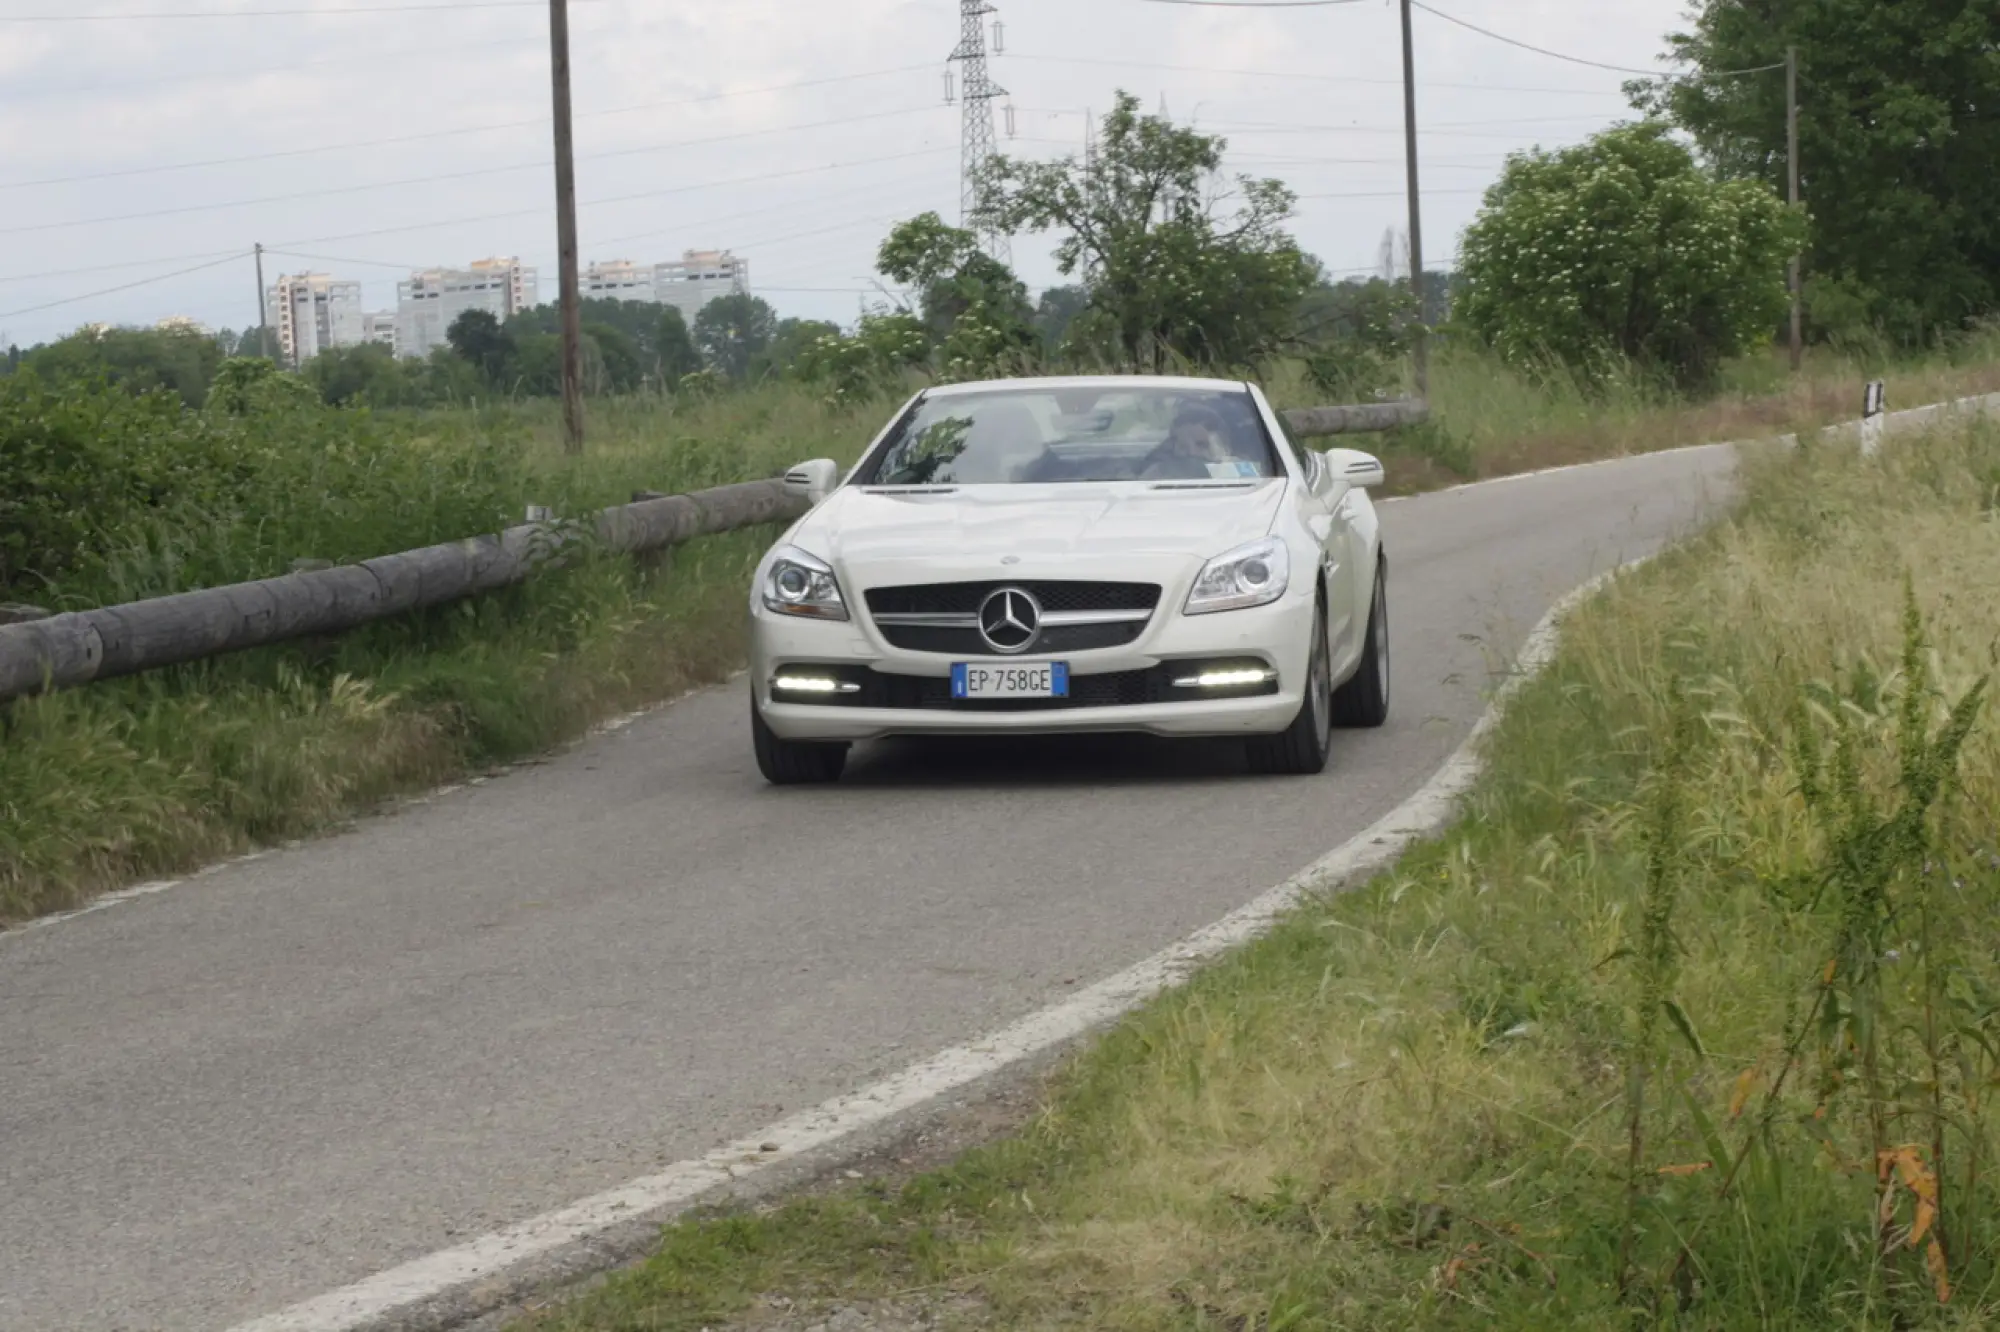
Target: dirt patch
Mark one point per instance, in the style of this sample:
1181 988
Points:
911 1314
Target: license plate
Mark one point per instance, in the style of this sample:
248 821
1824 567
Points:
1026 679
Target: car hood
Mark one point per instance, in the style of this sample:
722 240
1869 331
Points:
977 525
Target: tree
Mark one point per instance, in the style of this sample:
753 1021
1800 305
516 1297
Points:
612 360
674 347
535 366
948 275
1897 141
1622 247
1177 266
478 337
877 359
253 386
1357 331
138 359
1053 313
791 344
368 375
637 341
731 330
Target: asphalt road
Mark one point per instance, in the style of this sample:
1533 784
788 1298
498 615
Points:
296 1071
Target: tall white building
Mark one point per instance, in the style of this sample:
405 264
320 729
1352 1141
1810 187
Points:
312 312
698 278
428 302
620 280
379 326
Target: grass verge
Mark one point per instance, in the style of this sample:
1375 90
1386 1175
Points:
1692 1021
142 778
154 775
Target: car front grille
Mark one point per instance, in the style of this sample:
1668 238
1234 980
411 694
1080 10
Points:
943 617
1055 595
1055 638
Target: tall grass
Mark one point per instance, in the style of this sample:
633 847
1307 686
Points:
153 775
1691 1022
1492 419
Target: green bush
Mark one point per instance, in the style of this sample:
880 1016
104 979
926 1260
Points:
83 464
1623 249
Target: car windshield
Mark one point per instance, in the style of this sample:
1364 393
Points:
1027 436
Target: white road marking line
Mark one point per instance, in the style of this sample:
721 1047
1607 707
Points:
1423 813
107 901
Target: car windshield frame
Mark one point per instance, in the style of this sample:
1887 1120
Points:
1068 433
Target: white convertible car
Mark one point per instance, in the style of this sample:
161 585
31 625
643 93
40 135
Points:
1041 556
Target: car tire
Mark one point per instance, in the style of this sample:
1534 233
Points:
1364 699
794 762
1301 749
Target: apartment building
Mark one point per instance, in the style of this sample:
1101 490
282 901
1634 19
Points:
311 312
427 302
379 326
620 280
699 277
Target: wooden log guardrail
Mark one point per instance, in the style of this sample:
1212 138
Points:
1309 422
78 647
81 646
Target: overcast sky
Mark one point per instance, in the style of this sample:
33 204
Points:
792 132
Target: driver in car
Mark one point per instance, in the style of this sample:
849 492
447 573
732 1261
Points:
1197 438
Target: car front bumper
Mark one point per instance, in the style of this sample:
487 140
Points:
891 691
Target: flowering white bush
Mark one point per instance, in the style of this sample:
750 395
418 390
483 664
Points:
1624 249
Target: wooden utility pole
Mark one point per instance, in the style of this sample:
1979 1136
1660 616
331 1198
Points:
263 309
572 312
1792 170
1420 349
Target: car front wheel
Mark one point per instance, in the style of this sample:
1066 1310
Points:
794 762
1364 699
1302 748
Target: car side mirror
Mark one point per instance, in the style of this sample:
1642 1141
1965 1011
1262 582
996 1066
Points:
1363 470
813 481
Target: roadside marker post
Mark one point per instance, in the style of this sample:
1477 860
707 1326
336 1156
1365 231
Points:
1874 416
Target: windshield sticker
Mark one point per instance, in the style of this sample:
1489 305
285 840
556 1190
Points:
1230 471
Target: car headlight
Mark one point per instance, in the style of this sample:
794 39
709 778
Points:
804 585
1252 575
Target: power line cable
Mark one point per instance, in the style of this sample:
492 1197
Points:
1384 194
874 190
537 43
871 190
622 198
1396 129
123 263
433 177
144 16
1255 4
450 133
1307 78
128 286
1248 129
1594 64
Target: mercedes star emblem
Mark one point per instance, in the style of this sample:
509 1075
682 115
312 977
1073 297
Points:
1010 620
